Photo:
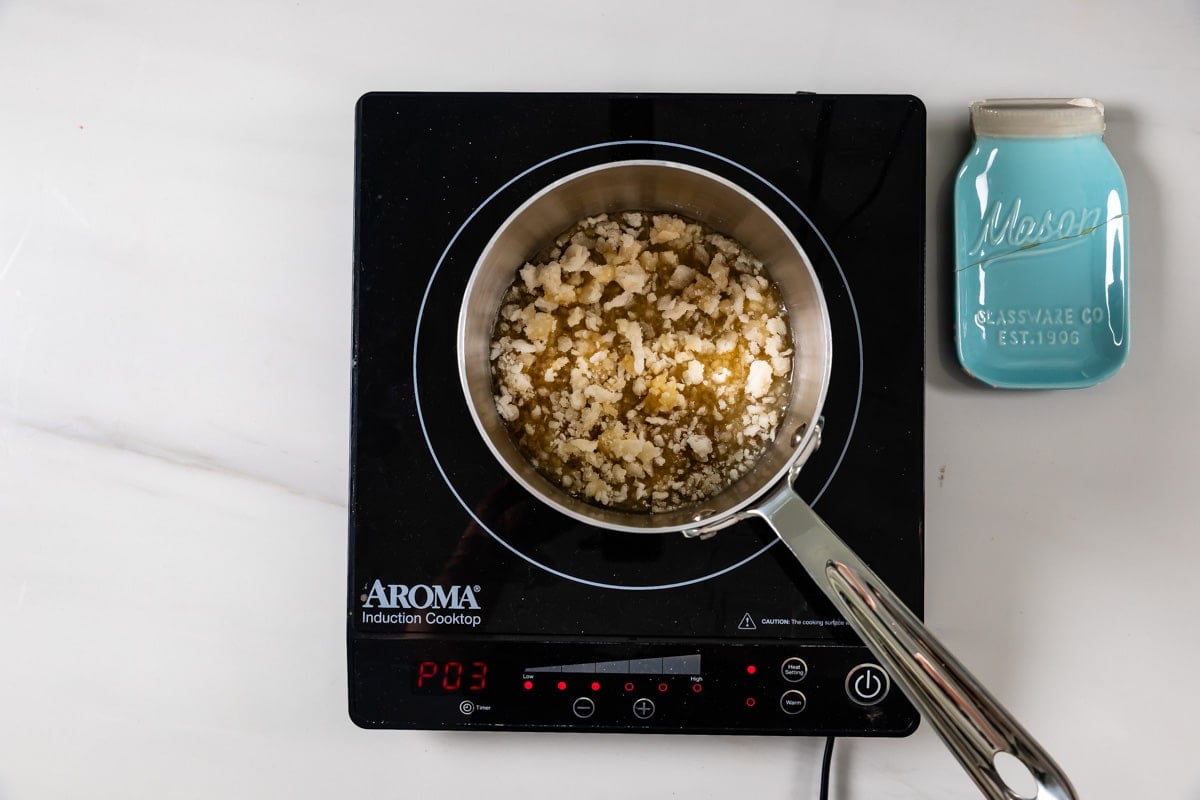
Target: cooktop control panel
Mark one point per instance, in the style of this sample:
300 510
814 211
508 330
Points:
758 688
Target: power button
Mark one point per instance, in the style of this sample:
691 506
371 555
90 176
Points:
867 684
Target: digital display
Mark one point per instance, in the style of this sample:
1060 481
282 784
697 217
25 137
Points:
449 677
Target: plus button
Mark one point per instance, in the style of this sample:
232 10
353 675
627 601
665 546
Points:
643 708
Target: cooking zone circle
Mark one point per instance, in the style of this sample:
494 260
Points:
468 469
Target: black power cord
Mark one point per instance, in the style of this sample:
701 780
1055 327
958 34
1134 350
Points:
826 761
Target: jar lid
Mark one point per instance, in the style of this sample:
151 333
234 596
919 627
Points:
1046 116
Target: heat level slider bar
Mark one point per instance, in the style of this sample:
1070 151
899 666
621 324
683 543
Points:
670 665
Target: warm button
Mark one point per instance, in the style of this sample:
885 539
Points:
867 684
792 701
793 669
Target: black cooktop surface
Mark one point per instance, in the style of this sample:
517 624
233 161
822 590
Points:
449 554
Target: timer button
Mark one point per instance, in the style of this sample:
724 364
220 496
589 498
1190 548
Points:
793 669
868 684
584 707
792 701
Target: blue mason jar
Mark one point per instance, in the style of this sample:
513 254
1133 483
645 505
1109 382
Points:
1041 225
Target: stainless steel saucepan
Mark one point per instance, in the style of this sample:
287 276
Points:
974 726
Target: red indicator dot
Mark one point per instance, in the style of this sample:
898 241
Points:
662 687
629 686
528 685
697 688
562 686
595 686
751 702
751 669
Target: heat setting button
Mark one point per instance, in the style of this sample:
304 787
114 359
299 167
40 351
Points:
584 707
643 708
868 684
793 669
793 701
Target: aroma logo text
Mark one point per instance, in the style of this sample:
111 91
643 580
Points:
421 595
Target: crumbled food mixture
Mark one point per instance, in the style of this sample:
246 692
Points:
643 361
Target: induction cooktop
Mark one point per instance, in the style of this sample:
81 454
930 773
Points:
472 605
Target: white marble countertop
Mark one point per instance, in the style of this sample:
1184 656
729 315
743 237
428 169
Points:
175 273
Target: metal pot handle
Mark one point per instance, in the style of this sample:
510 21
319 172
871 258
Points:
973 725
